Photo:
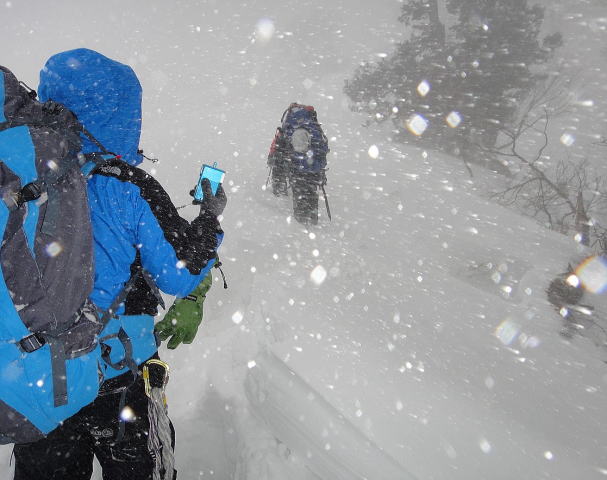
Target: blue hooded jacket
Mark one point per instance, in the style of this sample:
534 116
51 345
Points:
104 94
133 217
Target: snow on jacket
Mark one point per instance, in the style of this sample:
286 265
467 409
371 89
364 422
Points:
133 218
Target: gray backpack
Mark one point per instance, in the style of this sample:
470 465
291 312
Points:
49 353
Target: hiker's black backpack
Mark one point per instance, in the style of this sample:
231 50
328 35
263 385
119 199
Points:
48 330
302 139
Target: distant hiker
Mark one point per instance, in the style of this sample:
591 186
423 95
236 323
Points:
298 158
141 244
49 353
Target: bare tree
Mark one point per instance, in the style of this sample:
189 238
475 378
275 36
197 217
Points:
565 195
562 195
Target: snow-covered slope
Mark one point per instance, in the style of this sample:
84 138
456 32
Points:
409 337
430 332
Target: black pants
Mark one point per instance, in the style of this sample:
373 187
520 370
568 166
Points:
305 197
67 452
280 172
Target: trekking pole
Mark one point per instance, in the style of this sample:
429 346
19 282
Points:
268 179
324 193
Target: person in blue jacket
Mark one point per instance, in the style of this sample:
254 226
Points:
141 244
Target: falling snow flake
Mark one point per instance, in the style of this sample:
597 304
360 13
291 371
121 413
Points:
373 151
318 275
237 317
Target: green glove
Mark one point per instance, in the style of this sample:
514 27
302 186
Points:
183 318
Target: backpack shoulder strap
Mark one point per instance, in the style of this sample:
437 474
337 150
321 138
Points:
128 360
111 311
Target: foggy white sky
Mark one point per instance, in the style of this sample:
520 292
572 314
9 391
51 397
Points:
406 230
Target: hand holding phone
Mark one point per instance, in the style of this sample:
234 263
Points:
215 177
209 193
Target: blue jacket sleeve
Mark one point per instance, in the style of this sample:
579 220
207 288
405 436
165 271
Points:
133 213
176 269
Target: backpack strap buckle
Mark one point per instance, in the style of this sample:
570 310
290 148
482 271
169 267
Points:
31 191
31 343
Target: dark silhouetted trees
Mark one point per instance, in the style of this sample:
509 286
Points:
456 81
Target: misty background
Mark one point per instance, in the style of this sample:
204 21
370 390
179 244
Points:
412 336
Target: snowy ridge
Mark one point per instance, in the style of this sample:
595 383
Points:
417 319
332 446
430 334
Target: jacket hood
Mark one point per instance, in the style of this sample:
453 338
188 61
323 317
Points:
12 95
104 94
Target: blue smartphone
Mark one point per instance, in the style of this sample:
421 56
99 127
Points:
215 176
